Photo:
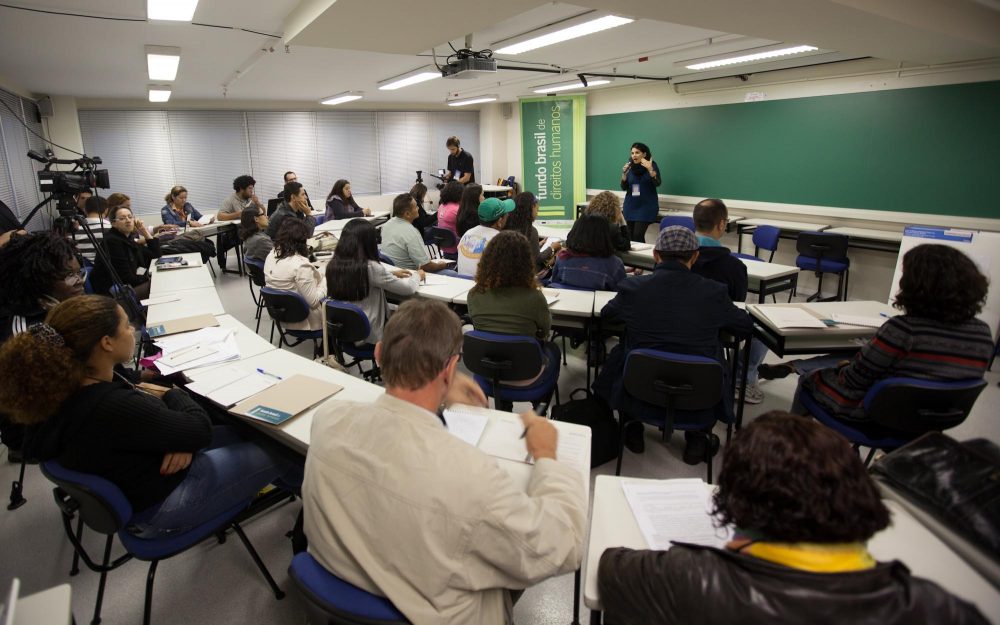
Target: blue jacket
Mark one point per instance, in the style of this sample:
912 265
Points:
169 217
588 272
718 263
645 206
672 310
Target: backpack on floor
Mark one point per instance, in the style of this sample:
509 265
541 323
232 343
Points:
592 412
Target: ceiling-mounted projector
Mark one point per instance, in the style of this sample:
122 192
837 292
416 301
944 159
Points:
469 64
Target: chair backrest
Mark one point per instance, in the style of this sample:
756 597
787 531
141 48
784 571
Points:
502 356
346 322
284 306
103 506
766 238
822 245
385 259
658 378
913 405
444 237
87 288
255 269
330 599
675 220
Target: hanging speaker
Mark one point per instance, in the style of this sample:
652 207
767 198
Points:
45 107
507 109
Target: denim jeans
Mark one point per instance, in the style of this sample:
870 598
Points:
803 367
758 351
229 471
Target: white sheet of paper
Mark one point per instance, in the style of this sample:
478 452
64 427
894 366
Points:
859 320
502 439
241 389
551 298
163 299
467 426
639 247
675 510
209 354
187 355
790 317
211 381
432 280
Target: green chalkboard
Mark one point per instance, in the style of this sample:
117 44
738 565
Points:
924 150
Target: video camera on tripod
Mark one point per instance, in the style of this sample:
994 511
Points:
63 185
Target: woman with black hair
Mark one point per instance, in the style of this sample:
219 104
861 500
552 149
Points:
640 177
253 232
130 247
154 442
938 336
523 220
355 275
340 203
589 260
287 267
423 220
803 508
468 211
447 214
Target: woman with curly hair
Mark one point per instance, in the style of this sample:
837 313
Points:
153 442
803 508
938 336
287 267
507 299
607 205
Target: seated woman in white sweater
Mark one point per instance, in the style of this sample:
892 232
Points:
287 267
355 275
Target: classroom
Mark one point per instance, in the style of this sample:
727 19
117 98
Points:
286 148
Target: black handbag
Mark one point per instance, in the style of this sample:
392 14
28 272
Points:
592 412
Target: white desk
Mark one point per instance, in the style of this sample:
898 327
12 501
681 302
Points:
613 525
250 343
443 288
766 278
337 225
869 239
817 340
496 190
294 433
558 229
192 302
169 281
574 305
193 260
48 607
601 299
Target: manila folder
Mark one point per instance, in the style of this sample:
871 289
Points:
184 324
285 399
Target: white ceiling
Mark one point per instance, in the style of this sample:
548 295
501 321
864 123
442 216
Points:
342 45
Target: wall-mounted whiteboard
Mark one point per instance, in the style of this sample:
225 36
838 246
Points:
982 247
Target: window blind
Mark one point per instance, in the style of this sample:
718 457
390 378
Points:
209 150
348 148
281 142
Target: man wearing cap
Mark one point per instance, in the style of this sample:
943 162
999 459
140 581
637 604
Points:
671 310
401 242
492 218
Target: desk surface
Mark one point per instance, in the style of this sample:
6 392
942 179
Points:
193 259
828 338
444 288
760 269
601 299
795 226
613 525
569 304
172 280
869 234
250 343
192 302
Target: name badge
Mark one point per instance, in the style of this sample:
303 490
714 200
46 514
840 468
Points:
635 189
458 173
141 271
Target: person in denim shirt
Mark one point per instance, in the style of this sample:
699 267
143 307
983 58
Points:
589 260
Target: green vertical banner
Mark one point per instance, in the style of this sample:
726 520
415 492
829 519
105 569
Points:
553 151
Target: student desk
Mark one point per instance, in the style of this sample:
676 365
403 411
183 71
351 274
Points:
790 228
441 288
213 229
843 338
557 229
337 225
766 278
613 525
250 343
192 302
573 309
169 281
868 239
193 260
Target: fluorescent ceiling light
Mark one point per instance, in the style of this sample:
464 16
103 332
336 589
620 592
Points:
173 10
769 52
162 62
479 99
159 93
573 84
410 78
563 31
340 98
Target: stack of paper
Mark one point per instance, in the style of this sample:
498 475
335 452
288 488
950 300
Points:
229 385
502 439
466 425
790 317
675 510
189 350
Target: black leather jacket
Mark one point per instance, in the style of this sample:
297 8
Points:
701 585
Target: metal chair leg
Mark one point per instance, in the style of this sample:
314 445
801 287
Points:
75 567
148 607
278 593
104 577
17 489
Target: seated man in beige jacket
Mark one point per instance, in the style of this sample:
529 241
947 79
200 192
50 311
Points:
398 506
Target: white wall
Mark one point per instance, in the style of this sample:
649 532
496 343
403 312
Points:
64 126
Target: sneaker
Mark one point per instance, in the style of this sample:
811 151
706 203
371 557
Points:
774 372
694 450
635 438
753 395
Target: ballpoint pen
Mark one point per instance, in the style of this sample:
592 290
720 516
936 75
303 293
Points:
268 374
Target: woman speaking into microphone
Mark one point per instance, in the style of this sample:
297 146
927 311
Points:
640 177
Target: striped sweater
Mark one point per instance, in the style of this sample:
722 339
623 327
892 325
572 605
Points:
905 346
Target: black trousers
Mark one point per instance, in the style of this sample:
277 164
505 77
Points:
637 230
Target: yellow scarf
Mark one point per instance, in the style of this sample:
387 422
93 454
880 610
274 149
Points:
814 557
